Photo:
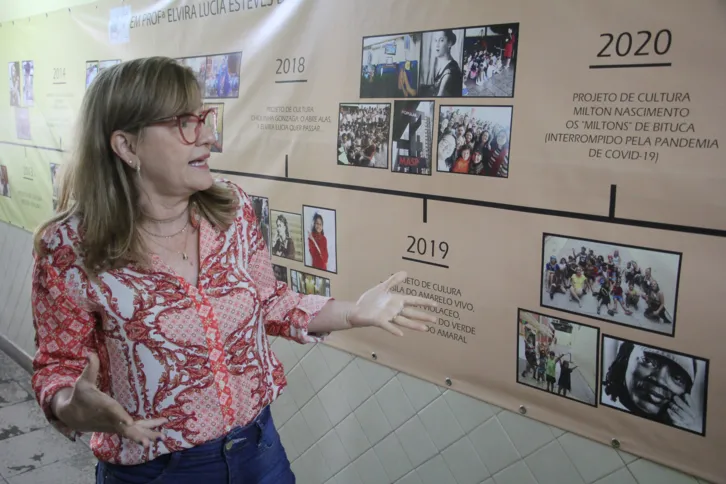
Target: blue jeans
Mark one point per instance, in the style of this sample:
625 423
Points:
247 455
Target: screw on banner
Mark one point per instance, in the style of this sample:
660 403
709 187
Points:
615 443
374 355
448 382
523 410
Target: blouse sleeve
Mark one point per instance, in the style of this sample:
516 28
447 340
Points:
64 333
285 312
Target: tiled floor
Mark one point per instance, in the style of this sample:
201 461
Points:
32 452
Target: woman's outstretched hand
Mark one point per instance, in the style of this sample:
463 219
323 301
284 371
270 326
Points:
387 310
85 408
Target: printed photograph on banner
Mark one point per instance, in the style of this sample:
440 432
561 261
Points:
616 283
54 168
441 63
91 71
119 25
223 73
320 238
490 59
215 120
474 140
261 205
4 181
28 75
105 64
304 283
22 123
287 235
199 66
363 131
390 66
655 383
558 356
14 82
413 132
280 272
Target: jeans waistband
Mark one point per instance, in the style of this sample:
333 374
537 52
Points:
237 434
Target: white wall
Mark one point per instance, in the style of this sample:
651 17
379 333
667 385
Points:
346 420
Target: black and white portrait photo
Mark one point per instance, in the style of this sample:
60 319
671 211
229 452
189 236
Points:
616 283
441 63
557 356
653 383
363 132
287 232
280 272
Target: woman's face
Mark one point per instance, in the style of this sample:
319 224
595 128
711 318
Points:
469 136
478 158
446 147
441 44
653 380
465 154
171 166
280 228
502 138
485 136
318 225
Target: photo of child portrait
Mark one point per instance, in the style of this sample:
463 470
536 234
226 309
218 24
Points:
320 240
28 74
14 82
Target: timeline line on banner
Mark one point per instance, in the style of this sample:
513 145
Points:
496 205
626 66
411 259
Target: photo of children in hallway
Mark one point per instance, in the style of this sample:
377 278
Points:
557 356
615 283
490 60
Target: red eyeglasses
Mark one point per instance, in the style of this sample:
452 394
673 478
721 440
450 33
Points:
190 125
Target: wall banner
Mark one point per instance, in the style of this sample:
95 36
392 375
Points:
550 172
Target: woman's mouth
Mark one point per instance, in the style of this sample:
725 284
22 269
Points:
200 162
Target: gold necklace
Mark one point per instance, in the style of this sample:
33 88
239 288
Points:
183 253
166 236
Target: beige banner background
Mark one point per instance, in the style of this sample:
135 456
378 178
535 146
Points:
494 251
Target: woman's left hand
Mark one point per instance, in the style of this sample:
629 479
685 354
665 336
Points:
381 308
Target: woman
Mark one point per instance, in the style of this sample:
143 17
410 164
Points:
448 78
498 164
284 246
153 296
509 41
318 244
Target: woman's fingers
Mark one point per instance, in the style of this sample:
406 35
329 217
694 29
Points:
419 315
151 423
391 328
418 301
409 323
395 280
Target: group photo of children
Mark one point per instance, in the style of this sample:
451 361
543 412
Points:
615 283
363 131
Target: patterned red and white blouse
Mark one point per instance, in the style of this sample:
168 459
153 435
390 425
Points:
198 356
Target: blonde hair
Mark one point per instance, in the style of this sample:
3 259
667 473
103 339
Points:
98 187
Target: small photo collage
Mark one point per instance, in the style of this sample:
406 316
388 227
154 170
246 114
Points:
414 134
308 237
615 284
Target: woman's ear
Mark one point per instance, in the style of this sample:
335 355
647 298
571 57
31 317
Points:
122 144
